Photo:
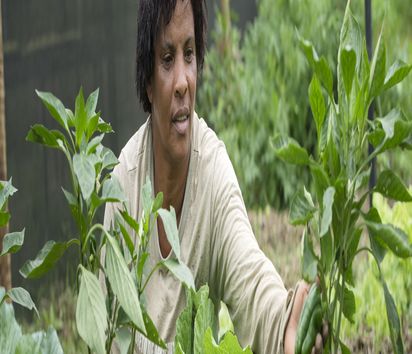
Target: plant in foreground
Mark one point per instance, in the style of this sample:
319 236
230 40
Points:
112 254
12 340
335 217
195 325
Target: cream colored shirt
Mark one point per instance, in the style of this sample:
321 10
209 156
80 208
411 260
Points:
217 244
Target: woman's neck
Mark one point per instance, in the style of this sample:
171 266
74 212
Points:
170 178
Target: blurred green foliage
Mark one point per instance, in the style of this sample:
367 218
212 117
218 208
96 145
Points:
255 85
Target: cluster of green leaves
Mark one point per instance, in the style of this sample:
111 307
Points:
111 254
11 338
196 323
369 303
336 220
254 85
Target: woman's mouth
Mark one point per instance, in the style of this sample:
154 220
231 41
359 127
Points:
181 123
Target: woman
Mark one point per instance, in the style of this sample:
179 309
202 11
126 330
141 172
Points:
189 164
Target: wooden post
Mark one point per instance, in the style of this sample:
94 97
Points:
5 262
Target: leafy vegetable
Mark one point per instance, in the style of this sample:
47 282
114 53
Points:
336 219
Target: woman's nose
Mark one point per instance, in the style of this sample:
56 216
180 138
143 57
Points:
181 83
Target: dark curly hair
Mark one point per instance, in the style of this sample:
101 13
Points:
152 16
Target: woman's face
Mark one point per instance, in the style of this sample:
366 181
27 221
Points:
172 90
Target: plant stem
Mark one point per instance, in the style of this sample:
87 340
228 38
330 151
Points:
158 265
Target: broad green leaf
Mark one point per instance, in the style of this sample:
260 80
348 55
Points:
231 344
104 127
12 242
180 271
317 103
71 199
351 36
228 345
74 208
85 173
91 314
91 146
348 65
22 297
378 248
108 158
203 320
309 261
200 296
392 237
225 322
92 125
178 349
151 331
38 133
290 151
320 179
210 346
327 252
112 190
170 226
319 66
147 193
55 107
393 321
184 326
378 67
323 71
396 73
130 220
158 202
6 191
45 260
302 208
10 331
126 236
354 243
393 132
327 210
391 186
80 117
349 304
122 283
70 118
91 103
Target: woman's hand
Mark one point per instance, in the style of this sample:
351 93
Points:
292 325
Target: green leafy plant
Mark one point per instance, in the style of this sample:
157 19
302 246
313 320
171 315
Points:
11 338
334 217
195 325
366 321
99 317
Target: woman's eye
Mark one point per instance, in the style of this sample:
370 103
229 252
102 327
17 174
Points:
189 54
167 60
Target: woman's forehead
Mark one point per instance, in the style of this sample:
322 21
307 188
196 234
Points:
180 27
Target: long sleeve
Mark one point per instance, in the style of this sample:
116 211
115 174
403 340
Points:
242 276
